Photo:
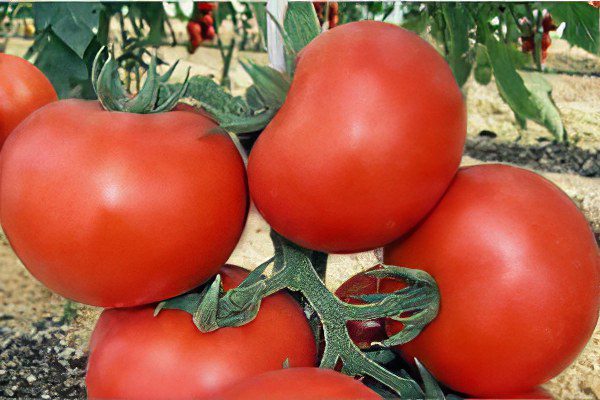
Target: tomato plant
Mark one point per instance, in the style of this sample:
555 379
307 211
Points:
363 333
121 209
299 384
519 275
136 355
23 89
344 184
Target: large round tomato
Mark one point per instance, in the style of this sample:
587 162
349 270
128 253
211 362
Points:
369 137
116 209
299 384
519 276
23 89
134 355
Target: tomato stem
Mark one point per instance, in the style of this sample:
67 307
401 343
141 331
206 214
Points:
114 97
301 270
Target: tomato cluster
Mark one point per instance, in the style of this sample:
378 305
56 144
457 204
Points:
123 210
201 26
327 10
528 29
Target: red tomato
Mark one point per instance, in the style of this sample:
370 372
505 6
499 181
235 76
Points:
519 276
369 137
134 355
205 6
363 333
115 209
299 384
23 89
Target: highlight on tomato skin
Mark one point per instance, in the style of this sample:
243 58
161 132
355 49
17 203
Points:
348 143
147 207
135 355
25 91
299 384
518 271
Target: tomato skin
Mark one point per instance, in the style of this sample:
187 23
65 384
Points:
363 333
23 89
134 355
365 143
519 275
119 209
299 384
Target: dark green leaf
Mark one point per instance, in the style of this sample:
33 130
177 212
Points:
74 23
270 83
432 388
301 24
260 14
530 101
67 72
582 23
483 68
458 23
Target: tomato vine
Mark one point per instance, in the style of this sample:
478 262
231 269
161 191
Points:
295 268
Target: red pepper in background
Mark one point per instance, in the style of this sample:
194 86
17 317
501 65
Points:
527 40
333 17
201 26
195 34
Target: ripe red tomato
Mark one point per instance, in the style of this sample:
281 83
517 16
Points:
134 355
519 276
23 89
363 333
299 384
115 209
369 137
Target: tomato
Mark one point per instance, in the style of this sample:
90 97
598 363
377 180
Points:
363 333
115 209
367 141
134 355
23 89
194 30
519 276
299 384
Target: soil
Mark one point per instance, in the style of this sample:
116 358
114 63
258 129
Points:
43 338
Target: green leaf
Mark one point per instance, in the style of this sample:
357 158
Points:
271 84
582 24
457 24
432 388
483 68
541 92
301 24
259 10
67 72
530 101
74 23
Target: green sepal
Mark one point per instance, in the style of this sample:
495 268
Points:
113 96
271 85
214 308
432 388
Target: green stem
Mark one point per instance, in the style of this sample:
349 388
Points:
334 314
294 268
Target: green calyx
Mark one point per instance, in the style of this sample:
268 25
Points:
300 270
113 96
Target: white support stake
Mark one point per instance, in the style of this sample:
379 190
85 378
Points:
275 47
